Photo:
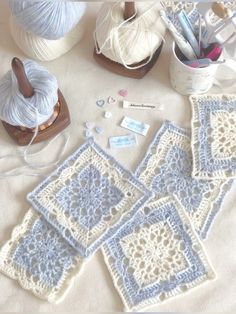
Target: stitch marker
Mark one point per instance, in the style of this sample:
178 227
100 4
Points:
88 133
107 114
123 92
111 100
141 106
89 125
100 103
135 126
123 141
99 129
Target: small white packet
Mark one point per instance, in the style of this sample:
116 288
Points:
141 105
122 141
135 126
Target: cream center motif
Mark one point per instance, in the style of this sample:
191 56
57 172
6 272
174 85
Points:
223 134
153 252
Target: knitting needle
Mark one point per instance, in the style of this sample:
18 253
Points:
228 39
188 31
200 33
221 26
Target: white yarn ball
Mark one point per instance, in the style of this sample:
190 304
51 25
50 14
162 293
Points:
47 19
43 49
28 112
129 42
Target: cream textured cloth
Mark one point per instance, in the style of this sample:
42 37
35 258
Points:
83 82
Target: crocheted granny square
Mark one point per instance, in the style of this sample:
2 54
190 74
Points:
39 258
156 256
89 197
167 169
214 136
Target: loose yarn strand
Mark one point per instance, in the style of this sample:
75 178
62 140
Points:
115 36
145 30
52 164
141 64
34 136
98 26
20 170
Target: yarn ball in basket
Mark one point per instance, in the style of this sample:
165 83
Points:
31 112
47 19
43 49
132 41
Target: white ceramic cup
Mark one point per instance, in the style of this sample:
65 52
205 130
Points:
188 81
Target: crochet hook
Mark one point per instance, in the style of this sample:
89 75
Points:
182 43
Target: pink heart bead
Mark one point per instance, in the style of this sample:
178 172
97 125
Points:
111 100
123 92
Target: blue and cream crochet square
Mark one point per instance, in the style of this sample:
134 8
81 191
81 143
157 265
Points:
166 169
39 258
214 136
156 256
89 197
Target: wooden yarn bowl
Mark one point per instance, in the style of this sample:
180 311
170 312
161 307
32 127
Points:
56 124
121 70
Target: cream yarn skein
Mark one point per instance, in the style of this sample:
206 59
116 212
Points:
47 19
43 49
129 42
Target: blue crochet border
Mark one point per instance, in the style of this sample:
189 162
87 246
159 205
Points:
166 126
169 126
88 251
206 162
135 295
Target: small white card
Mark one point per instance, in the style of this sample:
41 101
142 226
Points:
122 141
135 126
141 106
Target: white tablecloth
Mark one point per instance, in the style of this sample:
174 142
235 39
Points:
83 82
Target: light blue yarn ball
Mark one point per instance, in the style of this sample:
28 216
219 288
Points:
48 19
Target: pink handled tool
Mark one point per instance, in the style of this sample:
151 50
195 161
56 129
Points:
201 63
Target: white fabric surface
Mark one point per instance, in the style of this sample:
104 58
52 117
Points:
83 82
